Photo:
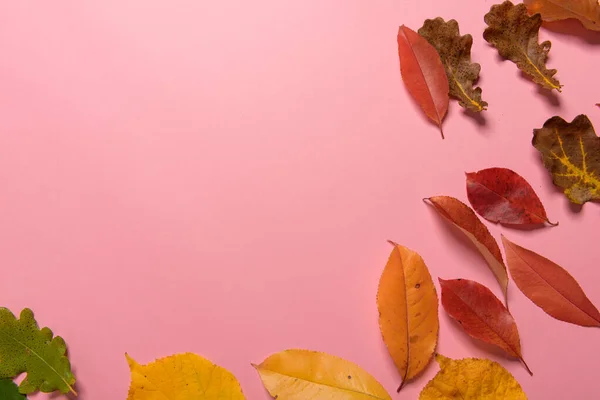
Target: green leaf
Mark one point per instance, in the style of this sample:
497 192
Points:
26 348
10 391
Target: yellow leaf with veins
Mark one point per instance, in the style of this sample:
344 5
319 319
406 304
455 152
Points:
182 377
471 379
304 374
571 152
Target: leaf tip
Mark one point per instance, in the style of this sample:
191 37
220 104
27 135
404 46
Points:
392 243
552 223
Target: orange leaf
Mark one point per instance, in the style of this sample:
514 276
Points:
423 74
586 11
408 312
481 315
465 219
549 286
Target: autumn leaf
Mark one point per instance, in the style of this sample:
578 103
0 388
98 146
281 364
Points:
423 74
471 379
501 195
586 11
481 315
184 376
10 391
304 374
408 312
571 152
515 35
455 53
549 286
26 348
465 219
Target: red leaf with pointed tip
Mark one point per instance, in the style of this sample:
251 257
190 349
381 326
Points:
549 286
502 195
423 74
482 315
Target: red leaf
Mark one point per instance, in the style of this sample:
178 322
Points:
465 219
502 195
481 315
549 286
423 74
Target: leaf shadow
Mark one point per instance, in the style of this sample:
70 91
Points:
573 28
478 117
550 96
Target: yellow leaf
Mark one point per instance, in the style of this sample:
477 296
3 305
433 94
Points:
408 312
182 377
586 11
304 374
471 379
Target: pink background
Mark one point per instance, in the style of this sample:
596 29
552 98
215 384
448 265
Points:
221 177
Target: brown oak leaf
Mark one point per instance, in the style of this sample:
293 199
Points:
571 152
515 35
586 11
455 52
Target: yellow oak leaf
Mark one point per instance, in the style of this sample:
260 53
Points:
586 11
471 379
408 312
305 374
183 377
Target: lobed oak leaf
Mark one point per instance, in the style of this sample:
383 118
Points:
471 379
515 35
455 53
586 11
423 74
571 152
482 315
305 374
408 312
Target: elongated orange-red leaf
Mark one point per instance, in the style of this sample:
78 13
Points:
482 315
423 74
549 286
465 219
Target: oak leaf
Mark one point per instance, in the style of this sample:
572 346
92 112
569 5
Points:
455 53
471 379
408 312
304 374
423 74
26 348
501 195
549 286
465 219
482 315
184 376
586 11
10 391
571 152
515 35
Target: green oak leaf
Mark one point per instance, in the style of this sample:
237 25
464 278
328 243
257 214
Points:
26 348
10 391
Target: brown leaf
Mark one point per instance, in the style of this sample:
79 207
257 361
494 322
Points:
586 11
423 74
549 286
515 35
455 52
465 219
571 152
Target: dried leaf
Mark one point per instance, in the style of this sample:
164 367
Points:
571 152
515 35
472 379
501 195
465 219
423 74
586 11
549 286
304 374
10 391
408 312
26 348
455 53
183 377
481 315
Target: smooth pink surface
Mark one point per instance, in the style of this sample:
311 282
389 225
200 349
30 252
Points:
221 177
